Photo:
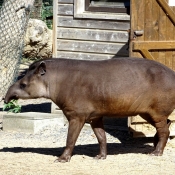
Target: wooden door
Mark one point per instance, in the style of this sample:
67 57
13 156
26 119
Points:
152 36
153 31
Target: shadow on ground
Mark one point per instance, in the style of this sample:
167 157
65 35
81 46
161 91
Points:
42 107
134 146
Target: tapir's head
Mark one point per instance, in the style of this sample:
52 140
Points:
32 85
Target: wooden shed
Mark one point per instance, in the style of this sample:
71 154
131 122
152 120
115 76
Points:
88 34
103 29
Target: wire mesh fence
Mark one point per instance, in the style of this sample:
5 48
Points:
14 16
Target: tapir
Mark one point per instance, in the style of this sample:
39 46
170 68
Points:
88 90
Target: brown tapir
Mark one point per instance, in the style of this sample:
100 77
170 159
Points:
88 90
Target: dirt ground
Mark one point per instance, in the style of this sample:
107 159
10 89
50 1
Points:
34 154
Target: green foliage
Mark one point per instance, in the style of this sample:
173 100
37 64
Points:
1 2
47 13
12 106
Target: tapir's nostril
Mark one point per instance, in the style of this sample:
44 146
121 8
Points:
15 97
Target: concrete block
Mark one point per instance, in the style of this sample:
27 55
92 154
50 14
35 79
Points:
31 122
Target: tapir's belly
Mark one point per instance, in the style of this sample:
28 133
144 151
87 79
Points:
117 104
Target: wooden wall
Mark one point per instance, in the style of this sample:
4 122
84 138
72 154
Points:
81 38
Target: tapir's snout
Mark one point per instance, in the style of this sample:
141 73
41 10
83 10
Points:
10 95
8 99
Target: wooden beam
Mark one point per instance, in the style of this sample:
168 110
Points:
146 54
54 31
169 12
154 45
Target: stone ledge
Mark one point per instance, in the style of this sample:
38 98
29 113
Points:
31 122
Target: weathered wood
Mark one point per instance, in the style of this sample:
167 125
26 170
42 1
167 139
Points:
140 23
83 56
69 21
72 28
55 11
148 20
92 47
167 9
157 42
65 1
169 37
173 38
65 9
146 54
91 35
141 15
79 12
162 33
134 26
154 45
155 27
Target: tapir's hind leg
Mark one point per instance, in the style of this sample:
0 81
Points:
98 128
162 136
156 138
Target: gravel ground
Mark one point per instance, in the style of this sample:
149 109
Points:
34 154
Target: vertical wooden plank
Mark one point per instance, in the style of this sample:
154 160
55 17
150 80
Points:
148 20
134 26
155 27
140 21
162 34
133 17
140 17
54 31
173 53
169 36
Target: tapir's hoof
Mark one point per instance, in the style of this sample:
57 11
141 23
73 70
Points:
156 153
100 157
62 160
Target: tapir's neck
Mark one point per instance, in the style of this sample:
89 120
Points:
52 85
48 92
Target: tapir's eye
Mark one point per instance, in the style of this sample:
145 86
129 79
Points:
22 85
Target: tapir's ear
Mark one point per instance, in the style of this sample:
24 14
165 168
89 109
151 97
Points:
41 68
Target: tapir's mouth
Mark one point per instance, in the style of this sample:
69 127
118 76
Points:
7 100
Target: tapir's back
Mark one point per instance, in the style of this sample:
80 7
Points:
122 84
130 72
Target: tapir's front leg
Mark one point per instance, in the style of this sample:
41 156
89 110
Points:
75 126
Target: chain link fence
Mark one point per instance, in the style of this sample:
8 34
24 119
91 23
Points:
14 16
